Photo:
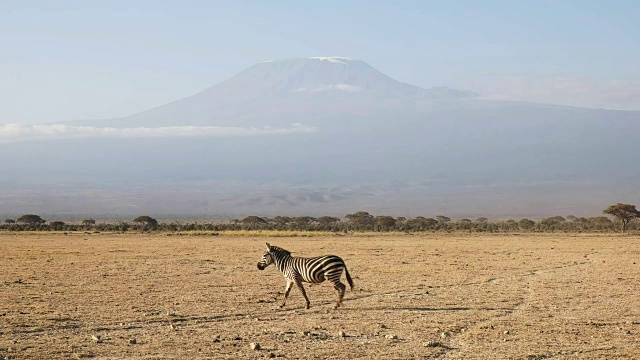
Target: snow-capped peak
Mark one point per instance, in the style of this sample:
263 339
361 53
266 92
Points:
333 59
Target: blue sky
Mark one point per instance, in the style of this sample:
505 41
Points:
68 60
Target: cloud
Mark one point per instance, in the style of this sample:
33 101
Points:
11 133
563 90
339 87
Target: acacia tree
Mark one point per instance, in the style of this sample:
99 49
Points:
361 220
443 219
385 223
56 225
31 219
147 221
623 212
328 220
303 222
253 221
282 220
526 224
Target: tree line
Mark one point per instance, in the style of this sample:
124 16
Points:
625 218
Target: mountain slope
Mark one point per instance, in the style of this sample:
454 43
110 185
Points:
374 144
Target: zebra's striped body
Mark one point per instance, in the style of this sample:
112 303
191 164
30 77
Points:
297 270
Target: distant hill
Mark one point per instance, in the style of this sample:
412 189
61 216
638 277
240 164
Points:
329 135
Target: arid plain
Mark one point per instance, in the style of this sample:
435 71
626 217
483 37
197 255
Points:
445 296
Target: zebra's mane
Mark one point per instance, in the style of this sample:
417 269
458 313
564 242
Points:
279 250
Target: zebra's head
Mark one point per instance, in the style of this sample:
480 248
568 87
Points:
267 259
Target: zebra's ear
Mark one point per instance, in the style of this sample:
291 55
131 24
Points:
268 246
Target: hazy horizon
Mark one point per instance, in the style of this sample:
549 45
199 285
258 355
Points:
497 109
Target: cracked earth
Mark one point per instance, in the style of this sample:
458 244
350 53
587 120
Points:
432 296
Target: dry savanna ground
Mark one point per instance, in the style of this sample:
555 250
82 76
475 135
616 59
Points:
158 296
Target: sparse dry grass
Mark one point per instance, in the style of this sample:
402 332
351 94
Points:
493 297
256 233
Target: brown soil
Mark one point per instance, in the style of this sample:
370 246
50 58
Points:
424 296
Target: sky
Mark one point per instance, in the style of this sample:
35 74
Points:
73 60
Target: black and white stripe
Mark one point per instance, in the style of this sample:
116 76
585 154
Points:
297 270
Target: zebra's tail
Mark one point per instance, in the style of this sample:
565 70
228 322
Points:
346 272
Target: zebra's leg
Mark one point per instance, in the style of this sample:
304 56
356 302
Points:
341 289
286 292
304 293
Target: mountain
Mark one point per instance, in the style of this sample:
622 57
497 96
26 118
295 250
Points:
328 135
277 92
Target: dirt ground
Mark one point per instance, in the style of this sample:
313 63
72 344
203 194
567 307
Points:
444 296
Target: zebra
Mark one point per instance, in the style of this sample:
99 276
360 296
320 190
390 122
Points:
297 270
